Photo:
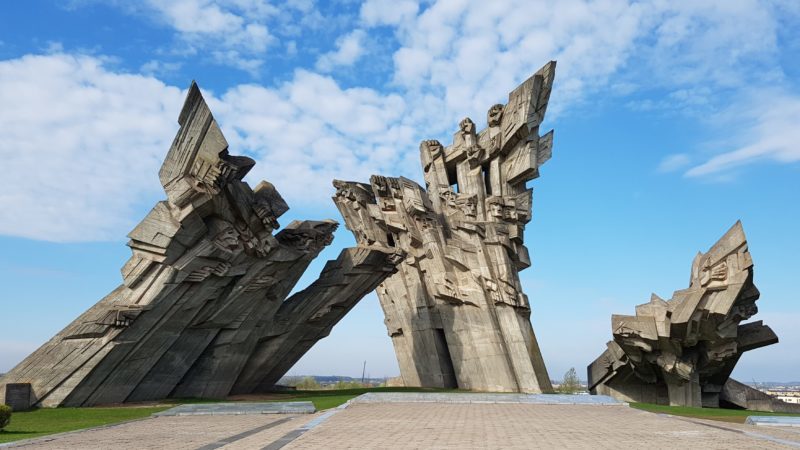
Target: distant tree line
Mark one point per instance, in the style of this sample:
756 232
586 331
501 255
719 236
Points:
312 383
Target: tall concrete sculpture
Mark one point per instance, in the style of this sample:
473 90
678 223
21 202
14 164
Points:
682 351
455 311
203 308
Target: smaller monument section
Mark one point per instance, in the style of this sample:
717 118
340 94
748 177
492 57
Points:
682 351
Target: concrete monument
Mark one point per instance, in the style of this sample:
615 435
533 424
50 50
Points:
455 310
683 350
203 308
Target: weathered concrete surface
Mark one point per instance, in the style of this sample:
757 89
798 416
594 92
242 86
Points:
203 308
682 351
455 311
239 408
739 395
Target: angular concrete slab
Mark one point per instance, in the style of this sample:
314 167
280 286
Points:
228 409
466 397
682 351
773 421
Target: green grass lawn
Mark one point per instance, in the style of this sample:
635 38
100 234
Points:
40 422
721 414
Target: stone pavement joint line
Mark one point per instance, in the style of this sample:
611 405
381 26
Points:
524 426
294 434
239 408
176 433
240 436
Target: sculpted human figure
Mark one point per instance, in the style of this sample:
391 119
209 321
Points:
455 310
204 309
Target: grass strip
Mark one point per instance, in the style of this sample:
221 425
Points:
720 414
41 422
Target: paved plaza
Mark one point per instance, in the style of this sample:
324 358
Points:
419 423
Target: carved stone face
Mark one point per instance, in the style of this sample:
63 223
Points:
473 153
496 210
467 126
325 232
716 273
510 213
433 147
227 238
264 212
448 197
381 185
743 312
207 176
223 235
495 115
468 205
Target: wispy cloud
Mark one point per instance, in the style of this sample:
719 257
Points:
69 123
388 12
674 162
349 48
80 151
774 135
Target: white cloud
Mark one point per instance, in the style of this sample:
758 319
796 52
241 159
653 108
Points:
457 56
388 12
155 67
231 32
291 48
773 136
309 131
349 48
673 162
80 146
69 124
237 22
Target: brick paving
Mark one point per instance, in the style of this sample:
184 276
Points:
433 426
520 426
178 433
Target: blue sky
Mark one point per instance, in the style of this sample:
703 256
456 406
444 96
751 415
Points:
672 119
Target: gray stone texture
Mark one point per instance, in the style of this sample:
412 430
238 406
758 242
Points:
18 396
203 308
739 395
455 310
239 408
682 351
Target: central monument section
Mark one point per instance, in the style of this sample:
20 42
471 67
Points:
455 310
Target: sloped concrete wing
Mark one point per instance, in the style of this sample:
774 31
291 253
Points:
202 310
